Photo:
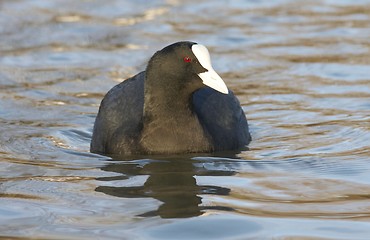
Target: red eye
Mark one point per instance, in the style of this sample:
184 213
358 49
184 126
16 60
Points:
187 59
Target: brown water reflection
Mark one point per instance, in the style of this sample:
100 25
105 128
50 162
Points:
300 69
171 180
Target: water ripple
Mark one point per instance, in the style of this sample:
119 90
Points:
299 68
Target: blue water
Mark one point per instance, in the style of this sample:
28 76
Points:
299 68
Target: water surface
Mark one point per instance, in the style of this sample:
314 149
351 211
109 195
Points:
301 70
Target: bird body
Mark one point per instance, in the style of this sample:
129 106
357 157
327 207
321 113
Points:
179 104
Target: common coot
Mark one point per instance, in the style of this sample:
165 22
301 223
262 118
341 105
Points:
179 104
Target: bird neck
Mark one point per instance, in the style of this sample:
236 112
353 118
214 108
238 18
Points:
165 96
162 105
169 123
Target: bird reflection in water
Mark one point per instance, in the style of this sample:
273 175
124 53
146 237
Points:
171 180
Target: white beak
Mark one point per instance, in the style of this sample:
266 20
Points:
209 77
